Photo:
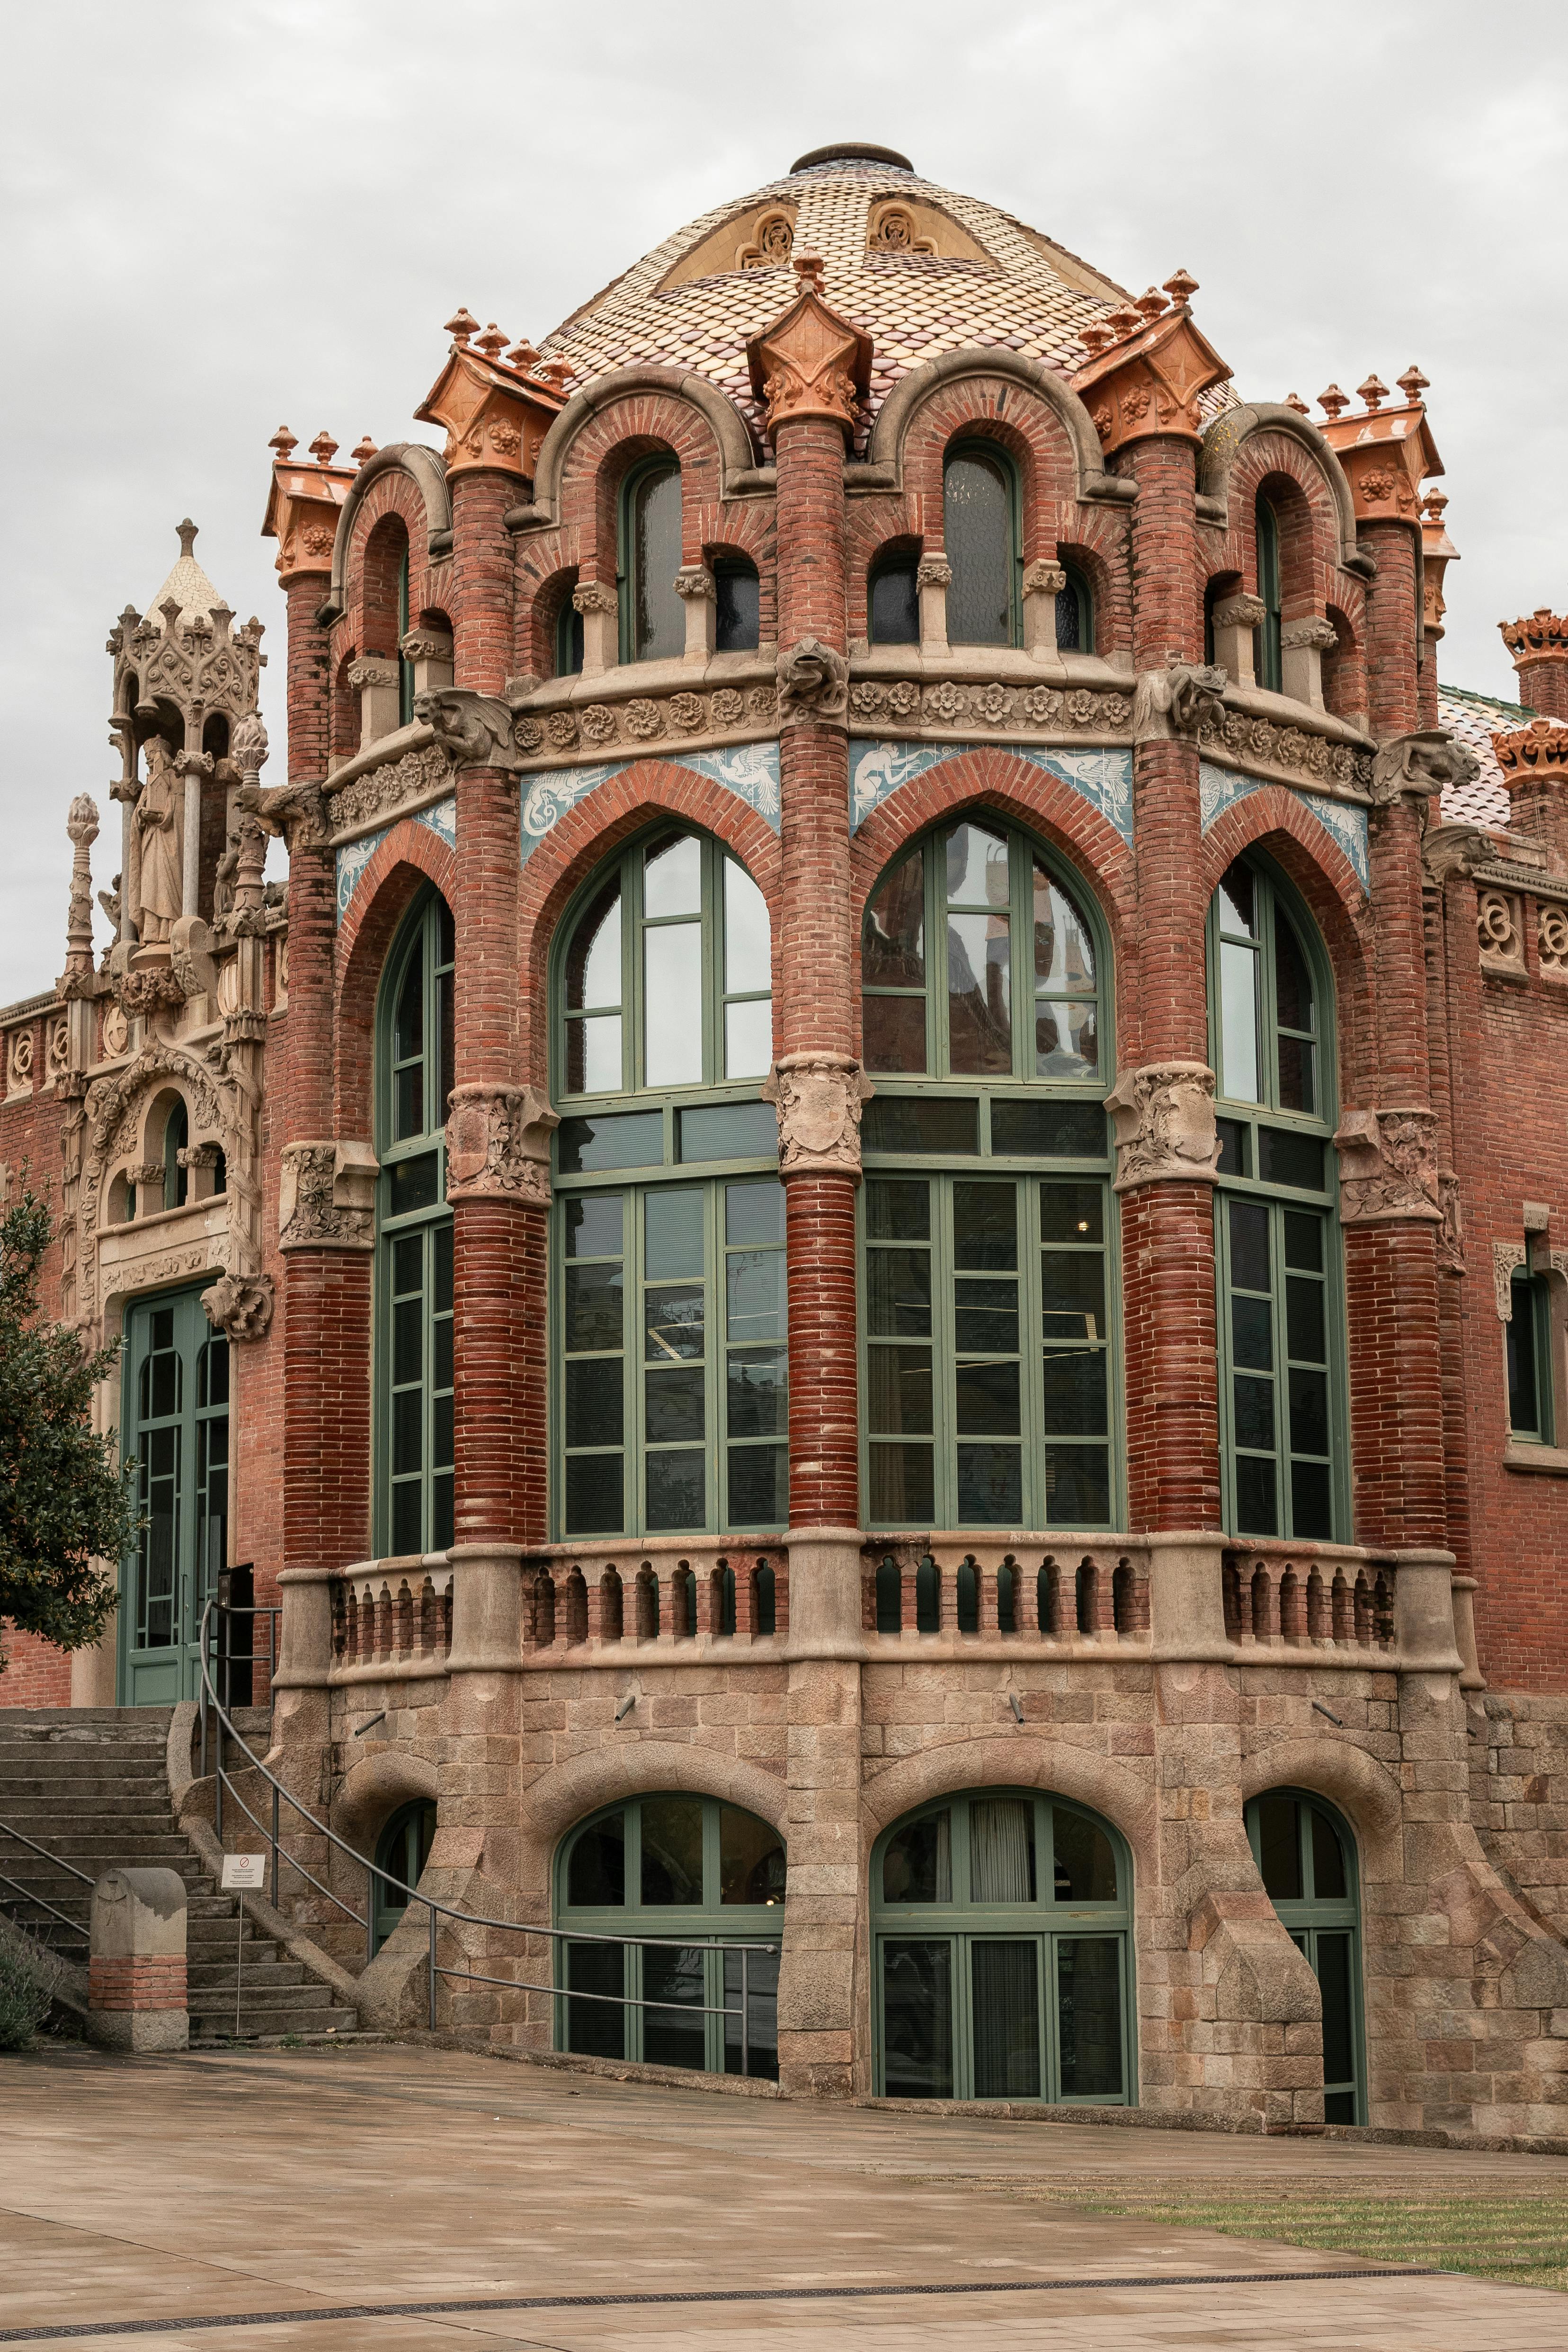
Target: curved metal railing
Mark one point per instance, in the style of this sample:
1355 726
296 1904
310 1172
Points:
213 1708
26 1893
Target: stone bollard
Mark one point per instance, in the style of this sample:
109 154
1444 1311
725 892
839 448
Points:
136 1973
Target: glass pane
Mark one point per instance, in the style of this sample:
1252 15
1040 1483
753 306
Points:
748 1038
674 1977
597 1866
1002 1850
892 944
672 1229
755 1300
595 1495
593 1318
1305 1337
1298 1069
168 1379
1292 977
1311 1500
596 2028
415 1183
1049 1131
1063 953
1089 2016
672 877
1239 1021
985 1226
1067 1038
894 615
1304 1241
759 1488
672 1851
977 529
673 1405
1232 1147
408 1023
744 1130
672 1005
897 1288
939 1125
899 1392
1072 632
1280 1848
595 1400
1334 1984
1072 1294
986 1317
594 958
895 1033
1085 1859
738 598
593 1063
408 1517
635 1140
658 617
753 1214
990 1485
903 1485
917 2020
673 1326
407 1340
916 1864
1249 1245
897 1209
1072 1213
748 953
1309 1414
975 866
443 1234
986 1399
979 995
1286 1159
1077 1486
757 1393
1255 1413
1237 901
1250 1333
676 1491
1005 2020
594 1225
762 2048
213 1385
1256 1508
1524 1398
1327 1860
750 1859
1075 1400
408 1116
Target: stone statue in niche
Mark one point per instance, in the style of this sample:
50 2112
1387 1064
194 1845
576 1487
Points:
160 812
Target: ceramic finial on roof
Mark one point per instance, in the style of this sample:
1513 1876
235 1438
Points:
1333 402
1374 392
1152 305
363 451
493 343
285 443
1432 504
1123 322
522 355
323 448
808 270
461 324
1094 337
1294 400
1181 286
1413 383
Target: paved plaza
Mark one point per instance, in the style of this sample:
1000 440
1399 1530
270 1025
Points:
295 2198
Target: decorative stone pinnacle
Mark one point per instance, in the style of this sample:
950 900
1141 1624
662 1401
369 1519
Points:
1333 402
285 443
1413 383
493 343
323 448
363 451
1150 304
1373 392
1539 634
556 371
187 533
462 325
1181 286
1294 400
1432 504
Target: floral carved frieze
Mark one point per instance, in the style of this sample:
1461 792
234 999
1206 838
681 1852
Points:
989 708
632 726
818 1097
1165 1131
498 1144
416 777
1260 743
326 1196
1388 1167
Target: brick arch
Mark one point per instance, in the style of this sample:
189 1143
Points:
393 495
1275 821
589 833
1246 443
1026 428
634 425
410 856
1278 466
872 528
1096 540
552 559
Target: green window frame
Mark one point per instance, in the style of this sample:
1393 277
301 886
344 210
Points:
1278 1251
678 1867
1527 1338
1268 661
414 1446
404 666
404 1849
1306 1855
652 618
1001 1953
1075 614
983 540
176 1417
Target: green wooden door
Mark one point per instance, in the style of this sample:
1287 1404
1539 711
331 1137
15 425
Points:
176 1429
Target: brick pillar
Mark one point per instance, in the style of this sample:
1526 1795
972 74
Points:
483 573
1539 648
1167 1201
309 677
136 1965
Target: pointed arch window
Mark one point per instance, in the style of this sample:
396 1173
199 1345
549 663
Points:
982 538
413 1431
653 619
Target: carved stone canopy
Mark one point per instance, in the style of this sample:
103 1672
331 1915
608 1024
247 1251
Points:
819 1099
1387 454
1165 1129
498 1144
811 363
495 414
1388 1166
1152 383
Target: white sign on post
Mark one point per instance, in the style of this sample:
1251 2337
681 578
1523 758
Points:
244 1870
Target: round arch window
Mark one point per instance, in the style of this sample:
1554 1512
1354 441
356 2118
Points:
682 1874
1306 1857
402 1850
1000 1930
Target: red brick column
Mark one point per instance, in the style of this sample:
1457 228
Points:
309 677
483 573
1172 1359
1538 645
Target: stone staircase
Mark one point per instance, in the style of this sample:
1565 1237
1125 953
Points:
90 1785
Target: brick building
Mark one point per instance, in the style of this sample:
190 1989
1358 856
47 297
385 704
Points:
886 1197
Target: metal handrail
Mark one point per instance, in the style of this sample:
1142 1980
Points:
436 1910
39 1903
44 1850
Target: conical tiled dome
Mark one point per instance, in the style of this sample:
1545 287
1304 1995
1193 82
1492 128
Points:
187 582
920 269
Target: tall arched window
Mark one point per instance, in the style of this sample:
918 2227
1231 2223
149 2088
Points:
176 1138
892 602
413 1236
402 1850
1266 659
981 535
670 1403
1307 1859
1075 614
653 619
988 1228
1277 1247
738 605
676 1867
1002 1965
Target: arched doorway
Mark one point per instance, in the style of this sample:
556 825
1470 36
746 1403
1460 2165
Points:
1002 1952
403 1848
1306 1857
673 1867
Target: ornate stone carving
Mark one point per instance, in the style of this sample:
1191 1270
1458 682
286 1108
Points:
418 775
159 820
695 583
1551 940
1177 700
1165 1128
895 230
1242 612
770 243
595 596
247 745
1540 635
818 1097
498 1144
1298 636
1423 763
81 828
371 669
1498 929
1261 744
1044 578
20 1061
988 709
239 1306
116 1035
813 683
474 731
143 993
57 1049
1506 1257
325 1198
811 363
642 720
1388 1166
933 571
1451 1237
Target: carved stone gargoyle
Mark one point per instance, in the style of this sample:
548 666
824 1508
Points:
1424 764
474 731
1176 700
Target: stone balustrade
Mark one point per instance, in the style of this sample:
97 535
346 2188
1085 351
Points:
393 1612
1320 1597
1029 1589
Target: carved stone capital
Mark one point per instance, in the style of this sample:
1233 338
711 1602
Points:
240 1305
1177 701
595 596
1388 1166
818 1097
498 1144
1422 765
813 683
1241 612
144 1173
1312 634
426 644
474 731
1507 1256
198 1155
933 571
326 1196
1165 1129
1043 579
371 669
694 581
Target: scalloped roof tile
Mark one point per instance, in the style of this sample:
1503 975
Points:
1474 719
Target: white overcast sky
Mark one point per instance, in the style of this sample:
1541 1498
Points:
222 218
